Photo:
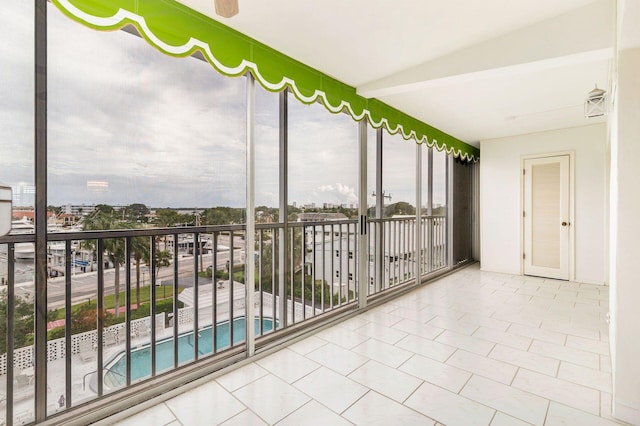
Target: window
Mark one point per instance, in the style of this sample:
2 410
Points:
323 149
133 128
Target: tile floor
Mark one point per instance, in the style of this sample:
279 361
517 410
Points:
473 348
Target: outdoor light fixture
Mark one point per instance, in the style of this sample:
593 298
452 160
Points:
595 105
227 8
5 209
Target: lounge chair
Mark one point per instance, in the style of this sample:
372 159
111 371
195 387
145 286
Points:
110 338
87 350
22 380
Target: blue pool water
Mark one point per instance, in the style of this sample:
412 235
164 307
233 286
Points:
115 374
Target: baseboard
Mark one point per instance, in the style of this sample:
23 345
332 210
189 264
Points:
625 413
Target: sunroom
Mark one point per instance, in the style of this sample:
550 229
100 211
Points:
441 195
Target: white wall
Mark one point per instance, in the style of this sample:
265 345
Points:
625 238
500 187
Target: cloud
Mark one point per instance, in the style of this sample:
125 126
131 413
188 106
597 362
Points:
169 132
341 194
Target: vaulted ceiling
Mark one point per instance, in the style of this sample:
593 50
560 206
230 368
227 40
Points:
477 70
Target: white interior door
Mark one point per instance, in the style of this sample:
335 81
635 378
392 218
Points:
546 217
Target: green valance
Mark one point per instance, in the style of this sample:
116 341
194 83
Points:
177 30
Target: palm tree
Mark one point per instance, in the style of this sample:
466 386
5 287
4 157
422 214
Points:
104 219
140 248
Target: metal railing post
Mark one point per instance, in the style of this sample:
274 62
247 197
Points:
284 231
41 209
250 266
363 241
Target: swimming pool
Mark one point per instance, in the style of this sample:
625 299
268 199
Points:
116 369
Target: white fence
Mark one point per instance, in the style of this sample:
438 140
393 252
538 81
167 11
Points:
24 357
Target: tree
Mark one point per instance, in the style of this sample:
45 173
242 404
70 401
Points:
400 208
23 322
162 258
136 212
113 247
140 248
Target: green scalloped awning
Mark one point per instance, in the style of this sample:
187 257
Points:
177 30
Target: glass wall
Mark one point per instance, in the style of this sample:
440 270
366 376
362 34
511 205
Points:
440 159
139 140
140 131
148 153
399 199
323 202
17 171
267 149
439 245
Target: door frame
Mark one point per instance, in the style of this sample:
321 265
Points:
572 198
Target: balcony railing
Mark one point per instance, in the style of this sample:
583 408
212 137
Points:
127 306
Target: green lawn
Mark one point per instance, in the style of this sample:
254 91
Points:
162 292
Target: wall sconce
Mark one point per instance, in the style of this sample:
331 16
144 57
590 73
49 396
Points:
595 105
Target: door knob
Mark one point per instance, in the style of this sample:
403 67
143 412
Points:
564 223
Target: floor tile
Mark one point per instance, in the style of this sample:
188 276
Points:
486 322
468 343
288 365
245 418
531 361
377 410
195 407
576 396
342 337
242 376
564 353
307 345
570 330
518 318
383 352
501 419
426 347
487 367
444 311
517 403
507 339
388 381
418 329
417 314
154 416
453 325
448 408
353 323
270 398
562 415
337 358
584 376
435 372
380 317
538 334
313 414
331 389
589 345
381 332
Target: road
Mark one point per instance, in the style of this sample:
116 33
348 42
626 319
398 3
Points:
84 285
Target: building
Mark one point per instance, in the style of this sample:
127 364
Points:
494 91
79 209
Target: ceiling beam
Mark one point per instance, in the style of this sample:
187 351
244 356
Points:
580 36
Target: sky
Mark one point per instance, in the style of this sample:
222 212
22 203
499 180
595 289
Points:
127 124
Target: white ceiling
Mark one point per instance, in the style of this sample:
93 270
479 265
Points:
476 70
